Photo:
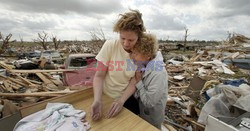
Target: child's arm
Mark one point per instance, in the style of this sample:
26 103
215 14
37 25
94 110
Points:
156 89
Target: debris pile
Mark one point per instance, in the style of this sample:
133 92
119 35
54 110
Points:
201 84
24 87
205 80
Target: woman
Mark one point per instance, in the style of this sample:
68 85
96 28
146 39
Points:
112 78
151 78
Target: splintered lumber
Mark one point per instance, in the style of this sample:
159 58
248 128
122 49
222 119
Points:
35 82
175 124
2 88
169 127
13 80
5 66
7 86
38 94
175 83
48 83
193 122
12 85
27 81
196 57
178 87
54 80
40 71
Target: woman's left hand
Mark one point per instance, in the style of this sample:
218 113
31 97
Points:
138 76
116 107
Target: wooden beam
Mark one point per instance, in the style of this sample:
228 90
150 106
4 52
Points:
6 66
178 87
40 71
54 80
13 80
48 83
31 85
36 94
193 122
28 94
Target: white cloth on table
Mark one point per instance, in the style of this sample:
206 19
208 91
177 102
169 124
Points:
56 117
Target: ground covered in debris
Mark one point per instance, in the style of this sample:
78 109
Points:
203 80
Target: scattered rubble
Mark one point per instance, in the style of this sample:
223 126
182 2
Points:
197 81
204 80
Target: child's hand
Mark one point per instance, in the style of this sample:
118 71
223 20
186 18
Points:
138 76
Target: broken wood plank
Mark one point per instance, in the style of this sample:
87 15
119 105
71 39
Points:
13 85
175 124
13 80
48 83
169 127
44 78
35 82
178 87
193 122
175 83
38 94
54 80
6 66
196 57
40 71
7 86
31 85
3 88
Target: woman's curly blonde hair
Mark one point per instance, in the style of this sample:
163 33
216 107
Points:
147 45
130 21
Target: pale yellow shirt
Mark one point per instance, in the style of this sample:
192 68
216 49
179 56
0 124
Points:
116 79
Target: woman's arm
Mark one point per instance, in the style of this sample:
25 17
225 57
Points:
96 108
118 104
129 90
154 91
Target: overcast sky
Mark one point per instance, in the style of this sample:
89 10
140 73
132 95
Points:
74 19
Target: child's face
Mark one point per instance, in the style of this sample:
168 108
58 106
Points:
139 58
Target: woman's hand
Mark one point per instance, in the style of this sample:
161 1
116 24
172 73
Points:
116 107
96 110
138 76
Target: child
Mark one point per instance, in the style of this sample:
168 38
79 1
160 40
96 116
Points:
152 80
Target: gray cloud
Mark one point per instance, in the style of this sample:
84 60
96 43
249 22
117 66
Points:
73 19
179 2
164 22
64 6
228 8
7 24
39 25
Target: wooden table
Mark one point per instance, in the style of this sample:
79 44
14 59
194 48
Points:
83 99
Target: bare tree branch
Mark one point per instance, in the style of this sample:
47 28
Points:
42 39
185 38
97 34
21 38
6 42
56 42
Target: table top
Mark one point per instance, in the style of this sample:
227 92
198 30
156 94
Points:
83 99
